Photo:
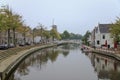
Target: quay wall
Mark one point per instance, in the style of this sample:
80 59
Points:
111 53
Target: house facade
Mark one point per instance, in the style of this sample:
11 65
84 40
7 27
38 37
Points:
91 38
101 37
19 38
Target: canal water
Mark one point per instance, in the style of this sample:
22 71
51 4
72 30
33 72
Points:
67 63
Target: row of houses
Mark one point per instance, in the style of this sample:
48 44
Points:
20 38
101 37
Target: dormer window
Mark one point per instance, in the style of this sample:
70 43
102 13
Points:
103 36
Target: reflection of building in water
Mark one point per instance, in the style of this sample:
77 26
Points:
105 67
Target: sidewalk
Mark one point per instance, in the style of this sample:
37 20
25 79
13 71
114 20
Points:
12 54
12 51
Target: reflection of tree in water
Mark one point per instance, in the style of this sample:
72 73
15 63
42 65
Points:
70 46
53 55
115 75
36 60
65 53
112 75
106 68
103 74
23 69
66 46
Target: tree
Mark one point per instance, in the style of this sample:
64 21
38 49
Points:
17 22
115 30
75 36
55 34
65 35
25 31
85 38
11 22
2 23
46 35
41 30
34 34
8 20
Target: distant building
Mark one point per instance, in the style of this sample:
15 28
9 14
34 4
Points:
37 39
54 27
91 39
3 38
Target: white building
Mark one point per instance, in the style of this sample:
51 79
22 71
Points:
37 39
103 37
91 38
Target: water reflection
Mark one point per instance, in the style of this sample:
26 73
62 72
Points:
39 60
106 68
67 63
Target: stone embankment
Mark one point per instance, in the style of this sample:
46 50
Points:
9 64
107 52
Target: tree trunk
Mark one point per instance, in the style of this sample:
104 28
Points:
14 38
0 38
8 38
24 38
53 38
41 39
33 38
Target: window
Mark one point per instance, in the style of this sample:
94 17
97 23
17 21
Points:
103 36
98 42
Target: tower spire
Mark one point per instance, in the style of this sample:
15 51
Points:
53 21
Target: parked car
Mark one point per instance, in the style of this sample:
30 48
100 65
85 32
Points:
3 46
12 45
21 44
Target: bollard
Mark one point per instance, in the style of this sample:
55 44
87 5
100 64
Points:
0 75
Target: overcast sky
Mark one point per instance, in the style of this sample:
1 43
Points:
75 16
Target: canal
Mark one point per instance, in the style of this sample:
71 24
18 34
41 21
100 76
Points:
66 63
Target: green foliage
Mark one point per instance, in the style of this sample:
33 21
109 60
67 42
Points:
85 38
55 34
67 35
46 34
115 30
75 36
2 21
9 21
36 32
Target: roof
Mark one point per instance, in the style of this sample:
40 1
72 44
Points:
104 28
